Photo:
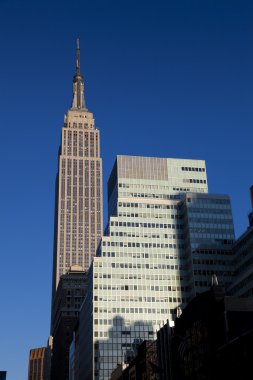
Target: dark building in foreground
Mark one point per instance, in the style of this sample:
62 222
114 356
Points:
164 351
74 355
243 260
212 338
143 366
68 299
3 375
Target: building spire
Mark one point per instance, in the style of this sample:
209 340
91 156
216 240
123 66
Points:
78 56
78 83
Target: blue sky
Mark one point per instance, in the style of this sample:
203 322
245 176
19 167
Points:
164 78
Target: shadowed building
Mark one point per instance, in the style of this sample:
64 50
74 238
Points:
68 299
243 262
164 351
143 366
212 338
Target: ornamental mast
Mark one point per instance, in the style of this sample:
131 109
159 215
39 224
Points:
78 102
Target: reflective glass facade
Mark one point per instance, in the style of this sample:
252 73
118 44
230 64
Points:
209 238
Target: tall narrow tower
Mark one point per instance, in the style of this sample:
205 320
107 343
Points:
78 205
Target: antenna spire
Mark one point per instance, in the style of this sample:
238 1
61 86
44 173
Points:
78 83
77 56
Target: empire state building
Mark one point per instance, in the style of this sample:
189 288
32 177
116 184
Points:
78 206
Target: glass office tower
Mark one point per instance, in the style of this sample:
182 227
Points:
144 269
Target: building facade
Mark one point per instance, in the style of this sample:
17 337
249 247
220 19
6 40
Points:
243 260
143 366
144 268
209 238
212 338
164 351
78 204
69 297
39 363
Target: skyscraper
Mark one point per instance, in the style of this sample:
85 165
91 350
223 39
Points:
165 237
78 205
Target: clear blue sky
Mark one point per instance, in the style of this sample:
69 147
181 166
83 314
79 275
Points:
163 78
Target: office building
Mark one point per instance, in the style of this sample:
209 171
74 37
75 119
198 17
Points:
209 238
39 364
78 204
68 299
160 214
212 338
243 260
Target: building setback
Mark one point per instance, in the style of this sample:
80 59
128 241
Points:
78 204
162 225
